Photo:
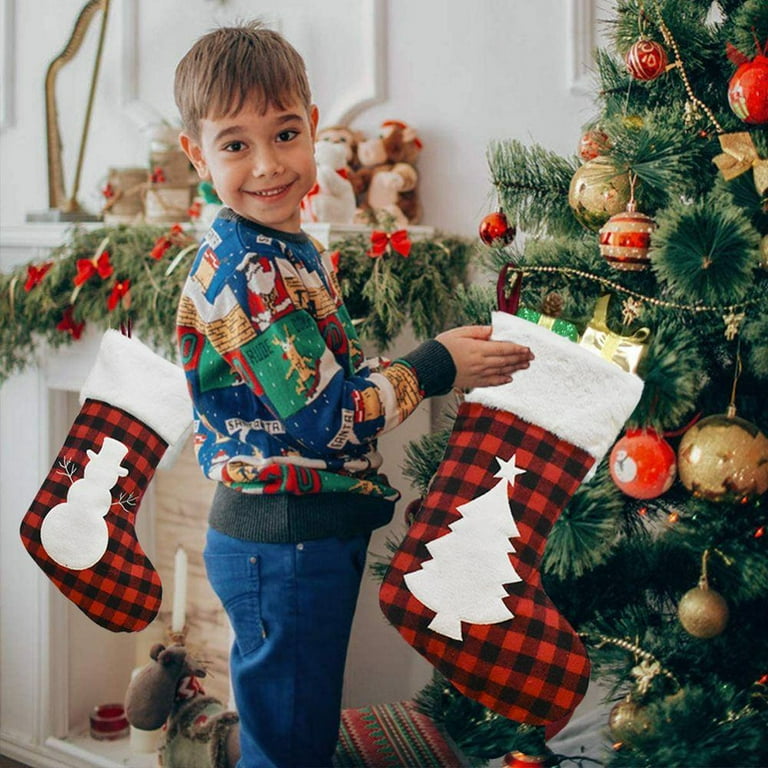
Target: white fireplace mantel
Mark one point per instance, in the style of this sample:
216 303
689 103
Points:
36 411
52 658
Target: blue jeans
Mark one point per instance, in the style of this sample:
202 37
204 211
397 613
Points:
291 608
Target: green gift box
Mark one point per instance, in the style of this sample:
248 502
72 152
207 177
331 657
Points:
560 327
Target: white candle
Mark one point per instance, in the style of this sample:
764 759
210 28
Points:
178 617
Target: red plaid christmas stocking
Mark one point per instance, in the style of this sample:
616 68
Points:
80 527
464 587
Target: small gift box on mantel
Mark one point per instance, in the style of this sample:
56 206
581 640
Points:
508 298
624 351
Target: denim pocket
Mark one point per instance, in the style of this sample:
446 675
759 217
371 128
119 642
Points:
235 580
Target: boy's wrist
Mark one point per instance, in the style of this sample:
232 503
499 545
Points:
434 367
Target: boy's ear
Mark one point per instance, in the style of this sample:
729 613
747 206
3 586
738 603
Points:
314 116
195 154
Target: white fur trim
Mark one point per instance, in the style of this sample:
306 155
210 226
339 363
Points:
567 390
130 376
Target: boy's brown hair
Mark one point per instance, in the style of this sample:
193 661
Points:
229 65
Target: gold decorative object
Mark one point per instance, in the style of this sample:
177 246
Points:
740 155
598 191
724 458
63 206
702 611
624 351
627 718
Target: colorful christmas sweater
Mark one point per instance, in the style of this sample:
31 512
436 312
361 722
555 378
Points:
284 401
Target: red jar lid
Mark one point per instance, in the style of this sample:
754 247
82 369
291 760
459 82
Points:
108 721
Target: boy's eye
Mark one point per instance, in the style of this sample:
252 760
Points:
287 135
234 146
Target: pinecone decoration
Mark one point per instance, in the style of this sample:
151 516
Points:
552 304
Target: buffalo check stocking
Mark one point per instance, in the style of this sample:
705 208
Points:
80 527
464 587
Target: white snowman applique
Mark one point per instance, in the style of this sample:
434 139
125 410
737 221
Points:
74 533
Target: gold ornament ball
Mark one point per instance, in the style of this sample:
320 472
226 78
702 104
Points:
724 458
764 252
703 612
597 192
627 718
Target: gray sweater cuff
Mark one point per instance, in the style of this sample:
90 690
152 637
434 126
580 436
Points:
434 367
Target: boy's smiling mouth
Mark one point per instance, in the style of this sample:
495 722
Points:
273 192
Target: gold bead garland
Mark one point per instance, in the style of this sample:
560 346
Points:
635 294
633 648
678 63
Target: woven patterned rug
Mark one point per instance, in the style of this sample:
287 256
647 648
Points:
393 736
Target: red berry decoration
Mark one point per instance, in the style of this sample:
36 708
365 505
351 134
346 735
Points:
642 464
646 60
748 91
494 228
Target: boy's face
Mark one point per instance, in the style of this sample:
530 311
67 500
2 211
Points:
261 165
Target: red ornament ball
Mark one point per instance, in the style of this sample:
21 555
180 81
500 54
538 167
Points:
495 229
625 240
642 464
748 91
646 60
593 144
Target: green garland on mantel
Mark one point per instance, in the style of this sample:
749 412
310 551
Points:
139 280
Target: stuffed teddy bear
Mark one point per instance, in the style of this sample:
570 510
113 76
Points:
410 142
392 195
332 199
349 139
390 180
199 731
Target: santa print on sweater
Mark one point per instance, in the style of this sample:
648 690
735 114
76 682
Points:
284 400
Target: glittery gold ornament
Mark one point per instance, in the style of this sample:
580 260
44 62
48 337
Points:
724 458
703 612
597 192
764 252
627 718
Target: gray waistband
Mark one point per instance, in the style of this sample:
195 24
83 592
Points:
284 518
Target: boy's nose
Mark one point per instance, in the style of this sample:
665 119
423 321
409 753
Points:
267 164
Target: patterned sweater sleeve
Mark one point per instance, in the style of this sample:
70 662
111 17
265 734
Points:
280 324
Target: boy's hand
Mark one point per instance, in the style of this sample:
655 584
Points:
479 361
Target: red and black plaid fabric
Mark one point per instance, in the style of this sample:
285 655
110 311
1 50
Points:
121 592
531 668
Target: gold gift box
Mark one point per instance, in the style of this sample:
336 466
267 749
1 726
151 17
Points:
624 351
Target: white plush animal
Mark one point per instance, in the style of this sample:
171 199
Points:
333 198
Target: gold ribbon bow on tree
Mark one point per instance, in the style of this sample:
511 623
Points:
738 156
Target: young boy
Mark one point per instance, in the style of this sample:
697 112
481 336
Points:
287 411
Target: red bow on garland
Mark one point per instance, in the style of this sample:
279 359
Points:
164 242
383 241
120 290
35 275
68 324
87 268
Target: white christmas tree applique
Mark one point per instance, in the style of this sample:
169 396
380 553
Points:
74 533
464 580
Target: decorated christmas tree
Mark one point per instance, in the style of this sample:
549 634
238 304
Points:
649 248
